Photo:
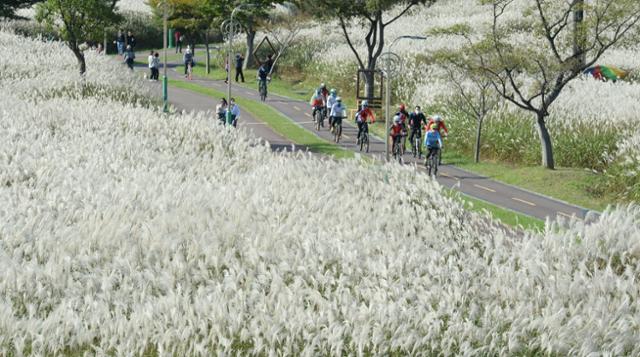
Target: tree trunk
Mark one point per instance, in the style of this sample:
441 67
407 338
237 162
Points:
369 85
478 136
545 142
249 60
80 57
579 33
208 55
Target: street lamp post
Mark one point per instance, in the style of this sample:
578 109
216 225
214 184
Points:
392 63
165 80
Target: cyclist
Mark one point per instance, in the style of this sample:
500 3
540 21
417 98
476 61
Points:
325 96
317 102
433 141
363 117
404 117
336 113
437 119
331 100
263 76
416 121
396 131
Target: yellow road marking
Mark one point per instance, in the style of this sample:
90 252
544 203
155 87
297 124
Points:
569 215
307 114
297 108
485 188
523 201
449 176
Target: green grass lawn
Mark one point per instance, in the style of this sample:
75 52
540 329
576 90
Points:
506 217
276 121
566 184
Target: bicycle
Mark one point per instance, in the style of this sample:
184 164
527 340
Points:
416 144
364 137
319 119
432 162
397 150
262 88
337 129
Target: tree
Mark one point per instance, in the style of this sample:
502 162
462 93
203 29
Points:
8 7
78 21
283 25
194 17
531 60
373 15
250 17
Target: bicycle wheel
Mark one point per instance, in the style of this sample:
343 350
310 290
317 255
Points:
366 142
414 147
338 133
317 124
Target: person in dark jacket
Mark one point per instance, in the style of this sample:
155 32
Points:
131 40
239 64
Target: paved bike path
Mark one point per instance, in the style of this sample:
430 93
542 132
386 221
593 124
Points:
474 185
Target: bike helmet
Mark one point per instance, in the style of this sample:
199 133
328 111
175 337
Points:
323 86
401 108
365 103
437 118
434 126
396 119
333 91
339 99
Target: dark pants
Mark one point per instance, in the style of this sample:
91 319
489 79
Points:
363 127
186 67
178 46
415 132
155 73
239 73
130 63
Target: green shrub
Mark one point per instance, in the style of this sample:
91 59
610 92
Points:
148 34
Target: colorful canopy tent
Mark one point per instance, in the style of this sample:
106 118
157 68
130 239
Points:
605 73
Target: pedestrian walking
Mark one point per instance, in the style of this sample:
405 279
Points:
187 58
233 113
156 65
152 67
221 110
226 69
129 57
131 40
178 37
119 42
239 64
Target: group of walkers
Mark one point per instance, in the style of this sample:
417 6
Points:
228 114
126 44
326 103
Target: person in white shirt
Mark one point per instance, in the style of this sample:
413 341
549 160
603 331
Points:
337 113
331 100
151 67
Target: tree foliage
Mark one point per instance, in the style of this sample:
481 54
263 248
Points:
532 59
78 21
8 7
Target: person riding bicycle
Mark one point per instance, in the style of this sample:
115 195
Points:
325 96
317 102
396 131
263 73
437 119
363 117
404 118
263 76
416 121
331 100
337 112
433 141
